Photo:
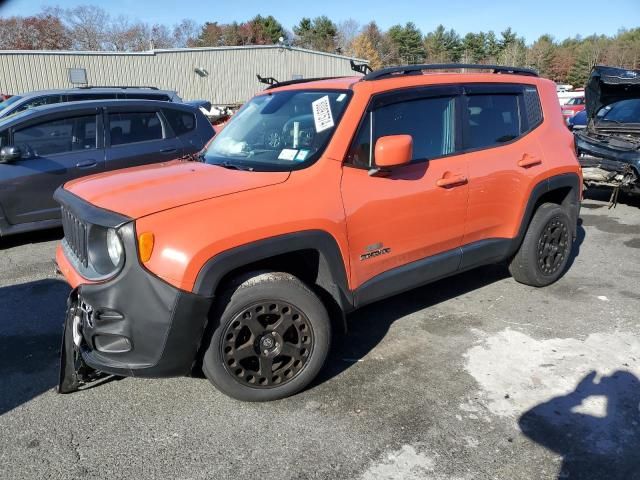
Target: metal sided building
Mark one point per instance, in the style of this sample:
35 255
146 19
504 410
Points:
222 75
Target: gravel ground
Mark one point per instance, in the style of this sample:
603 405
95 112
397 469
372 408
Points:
472 377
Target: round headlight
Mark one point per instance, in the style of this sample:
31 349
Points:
114 246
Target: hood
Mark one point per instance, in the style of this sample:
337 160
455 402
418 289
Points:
607 85
141 191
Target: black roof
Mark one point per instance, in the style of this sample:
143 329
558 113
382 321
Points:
89 104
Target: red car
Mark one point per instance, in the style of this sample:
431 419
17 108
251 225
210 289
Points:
573 106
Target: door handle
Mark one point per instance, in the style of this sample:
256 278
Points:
168 150
86 164
451 181
529 161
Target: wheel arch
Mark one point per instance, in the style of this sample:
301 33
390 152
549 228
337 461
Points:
561 189
312 255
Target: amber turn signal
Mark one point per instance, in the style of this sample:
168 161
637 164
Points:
145 245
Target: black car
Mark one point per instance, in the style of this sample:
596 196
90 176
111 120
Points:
25 101
609 147
44 147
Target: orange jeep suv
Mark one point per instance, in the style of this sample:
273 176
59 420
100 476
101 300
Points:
318 197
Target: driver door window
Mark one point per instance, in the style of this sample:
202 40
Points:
57 136
429 121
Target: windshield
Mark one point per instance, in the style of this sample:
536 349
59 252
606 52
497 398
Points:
279 131
624 111
9 101
576 101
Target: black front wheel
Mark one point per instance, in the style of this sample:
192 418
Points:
271 339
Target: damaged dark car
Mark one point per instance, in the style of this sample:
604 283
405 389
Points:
609 148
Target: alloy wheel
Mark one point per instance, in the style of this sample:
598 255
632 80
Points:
267 344
553 246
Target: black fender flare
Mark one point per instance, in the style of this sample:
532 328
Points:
572 202
332 265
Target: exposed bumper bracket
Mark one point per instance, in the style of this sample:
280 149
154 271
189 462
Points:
74 372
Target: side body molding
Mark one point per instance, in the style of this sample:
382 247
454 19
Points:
331 274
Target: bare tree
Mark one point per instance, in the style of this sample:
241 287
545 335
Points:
124 36
87 25
348 30
185 33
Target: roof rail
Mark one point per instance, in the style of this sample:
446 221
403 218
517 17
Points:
418 69
118 86
273 83
362 68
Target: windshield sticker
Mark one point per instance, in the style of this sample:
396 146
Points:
341 97
302 155
322 114
287 154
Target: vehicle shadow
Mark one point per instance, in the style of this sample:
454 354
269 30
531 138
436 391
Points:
575 250
30 337
369 325
31 237
595 428
604 194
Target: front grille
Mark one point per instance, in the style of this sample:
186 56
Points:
75 235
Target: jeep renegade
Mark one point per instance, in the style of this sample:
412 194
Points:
317 198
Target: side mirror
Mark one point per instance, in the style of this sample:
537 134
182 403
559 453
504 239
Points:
392 151
10 154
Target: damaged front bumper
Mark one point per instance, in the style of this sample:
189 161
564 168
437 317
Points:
132 324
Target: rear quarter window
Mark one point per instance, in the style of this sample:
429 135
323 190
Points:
532 107
181 122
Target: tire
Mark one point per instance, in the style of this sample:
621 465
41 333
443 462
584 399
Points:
271 340
543 256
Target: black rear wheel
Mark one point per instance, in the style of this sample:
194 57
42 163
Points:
271 340
546 248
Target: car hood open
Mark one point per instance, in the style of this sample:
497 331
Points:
607 85
144 190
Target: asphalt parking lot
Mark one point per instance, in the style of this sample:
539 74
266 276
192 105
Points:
472 377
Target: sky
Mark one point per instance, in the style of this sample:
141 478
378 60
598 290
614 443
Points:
561 19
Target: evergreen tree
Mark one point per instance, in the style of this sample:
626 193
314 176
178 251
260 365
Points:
541 55
408 40
317 34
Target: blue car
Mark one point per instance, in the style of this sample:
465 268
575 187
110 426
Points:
578 121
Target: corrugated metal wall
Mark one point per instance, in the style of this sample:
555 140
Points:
231 79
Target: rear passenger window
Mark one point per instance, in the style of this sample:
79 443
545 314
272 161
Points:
134 127
429 121
493 119
498 118
181 122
